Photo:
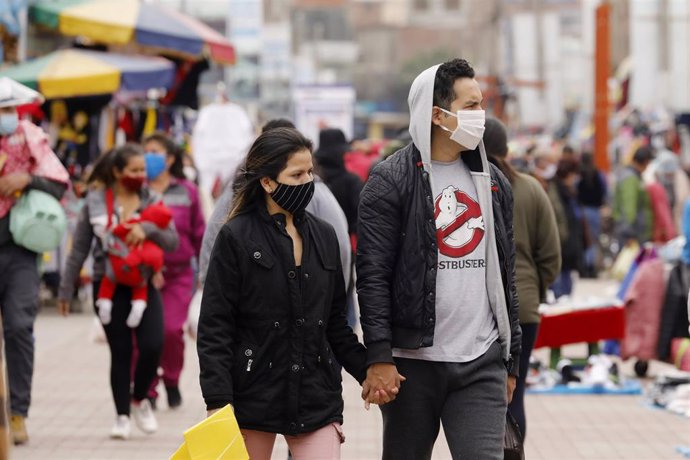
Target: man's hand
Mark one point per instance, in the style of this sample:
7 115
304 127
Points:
382 384
136 235
14 183
511 382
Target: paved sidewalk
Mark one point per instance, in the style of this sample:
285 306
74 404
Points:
72 413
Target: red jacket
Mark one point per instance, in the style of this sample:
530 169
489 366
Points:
664 228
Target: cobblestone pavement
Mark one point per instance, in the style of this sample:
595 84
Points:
72 412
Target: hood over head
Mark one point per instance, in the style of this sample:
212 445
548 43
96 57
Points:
421 102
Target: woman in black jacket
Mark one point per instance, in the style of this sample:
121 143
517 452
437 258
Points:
273 328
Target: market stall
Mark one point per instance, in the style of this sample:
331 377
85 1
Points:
136 24
76 72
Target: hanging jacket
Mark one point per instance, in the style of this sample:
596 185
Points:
643 302
664 227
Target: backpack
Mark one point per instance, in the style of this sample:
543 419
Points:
37 221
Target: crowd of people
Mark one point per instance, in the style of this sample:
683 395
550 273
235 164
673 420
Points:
452 242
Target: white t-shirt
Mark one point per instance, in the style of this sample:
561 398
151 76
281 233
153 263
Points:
465 325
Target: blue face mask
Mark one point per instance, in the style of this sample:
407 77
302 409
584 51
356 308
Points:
8 123
155 164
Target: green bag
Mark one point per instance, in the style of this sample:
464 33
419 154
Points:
37 221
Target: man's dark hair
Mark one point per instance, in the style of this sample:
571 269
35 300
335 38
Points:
277 123
446 75
568 150
643 155
566 167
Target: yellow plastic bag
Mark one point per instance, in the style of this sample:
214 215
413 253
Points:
624 261
216 438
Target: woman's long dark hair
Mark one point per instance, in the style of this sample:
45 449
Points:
267 157
588 171
171 148
102 172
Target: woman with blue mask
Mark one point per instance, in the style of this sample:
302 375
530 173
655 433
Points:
165 174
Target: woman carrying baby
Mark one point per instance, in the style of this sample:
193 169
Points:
117 197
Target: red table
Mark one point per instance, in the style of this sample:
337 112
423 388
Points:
589 326
581 326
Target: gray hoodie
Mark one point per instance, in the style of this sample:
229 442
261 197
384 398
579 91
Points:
421 102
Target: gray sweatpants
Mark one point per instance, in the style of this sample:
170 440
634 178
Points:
19 285
469 398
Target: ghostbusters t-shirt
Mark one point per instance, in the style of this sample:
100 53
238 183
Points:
465 324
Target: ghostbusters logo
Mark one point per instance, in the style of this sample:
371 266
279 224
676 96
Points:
459 223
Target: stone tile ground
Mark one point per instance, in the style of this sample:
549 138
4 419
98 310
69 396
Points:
72 412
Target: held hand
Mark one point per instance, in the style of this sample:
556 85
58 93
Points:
136 235
63 307
13 184
382 384
511 382
379 397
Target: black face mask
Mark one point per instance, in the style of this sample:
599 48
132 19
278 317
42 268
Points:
293 198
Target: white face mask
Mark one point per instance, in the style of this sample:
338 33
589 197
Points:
470 128
549 172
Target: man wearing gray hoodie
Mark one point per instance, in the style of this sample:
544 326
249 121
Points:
436 278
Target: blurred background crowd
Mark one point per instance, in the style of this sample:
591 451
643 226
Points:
594 95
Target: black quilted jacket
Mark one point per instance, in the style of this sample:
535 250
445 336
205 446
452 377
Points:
270 333
397 255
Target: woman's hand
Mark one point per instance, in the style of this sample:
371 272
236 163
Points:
158 280
63 307
382 384
14 183
136 235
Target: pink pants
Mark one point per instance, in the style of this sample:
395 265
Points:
322 444
176 294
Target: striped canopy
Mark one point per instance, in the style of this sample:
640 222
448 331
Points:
123 22
76 72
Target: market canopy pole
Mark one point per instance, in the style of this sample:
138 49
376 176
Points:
601 96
